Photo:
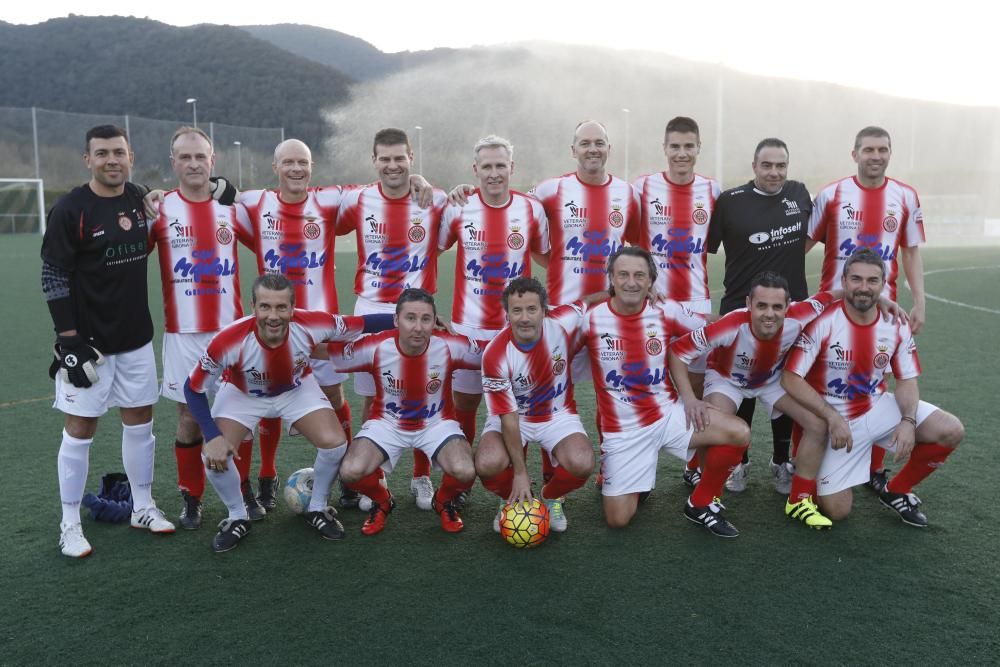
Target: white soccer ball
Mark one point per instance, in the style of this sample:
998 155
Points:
299 490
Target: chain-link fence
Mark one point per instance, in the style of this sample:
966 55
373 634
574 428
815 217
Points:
48 145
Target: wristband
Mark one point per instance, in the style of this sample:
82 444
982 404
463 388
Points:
908 419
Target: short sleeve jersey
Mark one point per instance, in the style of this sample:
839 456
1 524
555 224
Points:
846 362
199 264
101 242
674 224
628 360
847 216
411 392
761 232
587 223
534 381
261 371
297 240
397 241
738 355
494 246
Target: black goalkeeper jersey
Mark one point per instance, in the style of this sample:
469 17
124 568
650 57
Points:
761 232
102 243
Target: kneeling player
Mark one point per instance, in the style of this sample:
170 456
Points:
837 370
267 357
529 394
412 408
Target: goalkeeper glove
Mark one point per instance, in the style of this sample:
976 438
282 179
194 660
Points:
75 361
223 191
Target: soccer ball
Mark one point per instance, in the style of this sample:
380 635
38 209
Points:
523 525
299 490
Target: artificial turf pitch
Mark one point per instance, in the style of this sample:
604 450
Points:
870 591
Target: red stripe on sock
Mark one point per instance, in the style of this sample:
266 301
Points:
269 431
449 489
245 452
801 488
500 484
562 482
421 464
926 457
371 486
190 468
719 462
878 458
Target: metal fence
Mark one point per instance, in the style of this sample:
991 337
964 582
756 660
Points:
48 145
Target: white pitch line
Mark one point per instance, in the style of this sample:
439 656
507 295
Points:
952 302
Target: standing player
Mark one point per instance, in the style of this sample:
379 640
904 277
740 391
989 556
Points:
872 211
837 370
292 232
195 238
529 393
397 249
266 358
94 279
497 232
627 338
762 226
412 408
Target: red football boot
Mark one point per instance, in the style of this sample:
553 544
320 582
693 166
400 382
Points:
376 518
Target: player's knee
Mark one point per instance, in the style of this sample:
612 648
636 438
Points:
351 470
464 470
954 431
580 463
81 428
618 519
835 508
739 433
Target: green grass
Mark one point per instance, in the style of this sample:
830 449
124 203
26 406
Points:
868 592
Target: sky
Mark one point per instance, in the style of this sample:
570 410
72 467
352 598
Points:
936 51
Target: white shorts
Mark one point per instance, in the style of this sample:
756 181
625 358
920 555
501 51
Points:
842 469
467 381
124 380
364 383
291 406
548 434
628 460
702 307
181 352
326 374
770 393
392 440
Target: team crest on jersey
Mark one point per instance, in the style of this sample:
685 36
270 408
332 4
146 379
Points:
300 365
889 222
881 359
124 221
311 231
223 234
434 384
417 232
515 241
558 364
615 217
699 214
654 345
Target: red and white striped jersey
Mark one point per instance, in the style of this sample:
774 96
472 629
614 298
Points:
411 393
628 359
738 355
586 224
534 382
494 247
846 362
397 241
847 216
199 267
296 240
673 227
261 371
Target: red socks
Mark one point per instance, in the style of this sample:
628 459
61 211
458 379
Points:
547 468
694 461
797 438
467 420
344 417
421 465
878 459
801 488
561 483
190 467
245 452
923 460
500 484
449 490
269 431
719 462
371 486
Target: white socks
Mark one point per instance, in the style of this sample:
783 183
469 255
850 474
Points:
138 447
325 470
72 464
227 485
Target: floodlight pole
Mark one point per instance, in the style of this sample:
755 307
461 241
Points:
193 101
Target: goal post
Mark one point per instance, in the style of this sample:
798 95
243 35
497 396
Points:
22 205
